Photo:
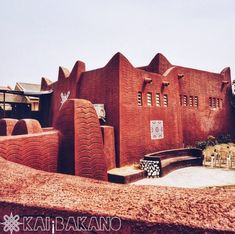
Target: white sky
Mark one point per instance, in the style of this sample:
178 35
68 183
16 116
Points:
36 37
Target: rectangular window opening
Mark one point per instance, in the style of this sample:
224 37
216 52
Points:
185 100
139 99
218 103
210 101
149 99
213 102
191 101
165 100
158 99
196 101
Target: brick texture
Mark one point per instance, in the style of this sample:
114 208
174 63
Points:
39 150
109 146
82 150
117 84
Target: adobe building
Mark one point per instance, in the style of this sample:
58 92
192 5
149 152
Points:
159 106
155 107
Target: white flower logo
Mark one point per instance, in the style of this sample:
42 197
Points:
64 97
11 223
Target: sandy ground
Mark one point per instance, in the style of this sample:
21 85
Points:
193 177
142 209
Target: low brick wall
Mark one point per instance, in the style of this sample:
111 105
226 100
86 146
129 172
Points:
39 150
73 146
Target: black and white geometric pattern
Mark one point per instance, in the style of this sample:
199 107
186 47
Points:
152 168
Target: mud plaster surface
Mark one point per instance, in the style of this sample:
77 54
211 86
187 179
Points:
212 209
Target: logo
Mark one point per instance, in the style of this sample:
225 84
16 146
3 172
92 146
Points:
11 223
60 224
64 97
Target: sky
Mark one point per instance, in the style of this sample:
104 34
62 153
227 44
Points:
36 37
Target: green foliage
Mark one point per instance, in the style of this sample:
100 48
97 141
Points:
222 139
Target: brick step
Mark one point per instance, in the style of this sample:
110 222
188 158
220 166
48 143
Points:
125 175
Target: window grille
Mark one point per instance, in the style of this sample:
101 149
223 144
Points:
158 100
191 101
165 100
214 102
149 99
210 101
196 101
218 102
139 99
185 100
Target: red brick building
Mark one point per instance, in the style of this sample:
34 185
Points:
155 107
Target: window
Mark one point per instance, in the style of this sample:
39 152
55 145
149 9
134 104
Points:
139 99
213 102
158 100
218 102
191 101
165 100
185 100
149 99
196 101
210 101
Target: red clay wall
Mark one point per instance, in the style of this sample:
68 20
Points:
116 86
159 64
39 150
66 85
77 148
200 122
101 86
183 126
109 146
135 137
81 150
65 124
